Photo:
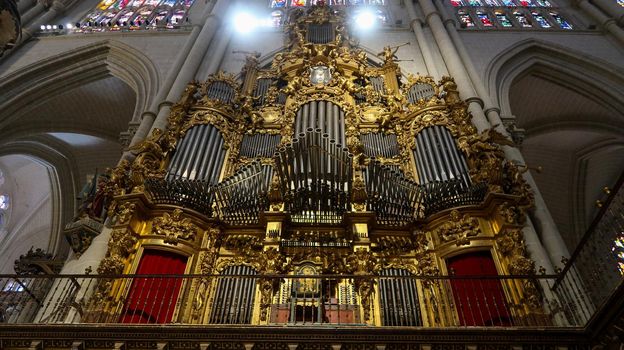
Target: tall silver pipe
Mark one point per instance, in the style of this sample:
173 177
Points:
434 133
313 123
438 163
205 157
422 159
215 169
187 156
451 150
212 155
201 150
431 160
174 166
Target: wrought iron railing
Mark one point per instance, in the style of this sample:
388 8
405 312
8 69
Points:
596 268
388 299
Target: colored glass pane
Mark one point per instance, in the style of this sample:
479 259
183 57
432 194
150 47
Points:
297 2
4 202
465 19
457 3
620 2
105 4
475 3
560 21
509 3
492 3
521 18
541 20
484 19
135 13
276 18
527 3
503 19
176 18
618 251
543 3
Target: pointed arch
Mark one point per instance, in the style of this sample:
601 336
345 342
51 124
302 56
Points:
589 76
36 83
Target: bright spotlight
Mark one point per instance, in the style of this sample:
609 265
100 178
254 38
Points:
365 20
244 22
69 26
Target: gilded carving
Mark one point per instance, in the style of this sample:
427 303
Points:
458 229
174 227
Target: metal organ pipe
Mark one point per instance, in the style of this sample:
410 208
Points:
200 155
436 154
323 115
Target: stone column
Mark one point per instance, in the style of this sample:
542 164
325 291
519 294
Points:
32 12
551 238
217 52
491 111
192 62
612 9
454 64
609 24
148 117
25 5
416 24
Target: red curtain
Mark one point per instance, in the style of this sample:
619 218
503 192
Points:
479 302
153 299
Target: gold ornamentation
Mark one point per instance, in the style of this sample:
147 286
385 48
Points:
125 212
174 227
458 229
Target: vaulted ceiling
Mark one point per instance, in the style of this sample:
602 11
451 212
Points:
577 137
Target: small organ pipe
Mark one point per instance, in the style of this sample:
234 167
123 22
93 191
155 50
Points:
437 158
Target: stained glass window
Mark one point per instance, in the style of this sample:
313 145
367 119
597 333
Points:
618 251
484 19
475 3
522 20
620 2
135 14
503 19
465 18
541 20
492 3
560 21
4 202
457 3
301 3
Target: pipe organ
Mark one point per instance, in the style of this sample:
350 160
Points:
324 116
379 144
437 157
319 189
259 145
234 296
400 306
199 156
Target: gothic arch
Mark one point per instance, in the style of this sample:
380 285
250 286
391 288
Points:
36 83
63 185
543 84
589 76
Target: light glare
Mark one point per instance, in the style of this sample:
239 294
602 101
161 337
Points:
365 20
244 22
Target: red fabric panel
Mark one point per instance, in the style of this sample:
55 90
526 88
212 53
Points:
153 299
479 302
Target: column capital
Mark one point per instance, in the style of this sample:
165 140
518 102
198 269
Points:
432 13
476 100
